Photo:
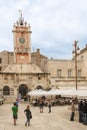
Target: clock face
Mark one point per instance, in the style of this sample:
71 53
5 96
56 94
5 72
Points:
22 40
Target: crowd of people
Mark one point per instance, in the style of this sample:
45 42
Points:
27 111
82 110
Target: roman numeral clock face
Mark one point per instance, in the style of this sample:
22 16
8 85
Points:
22 40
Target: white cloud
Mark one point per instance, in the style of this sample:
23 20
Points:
55 24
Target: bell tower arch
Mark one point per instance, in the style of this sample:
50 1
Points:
22 41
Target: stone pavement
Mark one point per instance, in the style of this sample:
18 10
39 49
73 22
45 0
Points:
58 119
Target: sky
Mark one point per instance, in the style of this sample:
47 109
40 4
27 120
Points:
55 25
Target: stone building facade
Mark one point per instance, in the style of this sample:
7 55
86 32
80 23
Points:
63 72
23 70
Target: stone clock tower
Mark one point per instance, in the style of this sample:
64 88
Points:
22 41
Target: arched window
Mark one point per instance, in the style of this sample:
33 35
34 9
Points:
39 87
6 90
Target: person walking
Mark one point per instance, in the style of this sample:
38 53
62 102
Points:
85 113
15 112
41 105
49 106
80 110
28 115
17 102
72 110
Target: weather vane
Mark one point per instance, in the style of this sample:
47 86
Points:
21 20
20 12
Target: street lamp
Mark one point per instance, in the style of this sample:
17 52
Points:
75 52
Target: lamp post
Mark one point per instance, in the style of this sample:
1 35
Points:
75 52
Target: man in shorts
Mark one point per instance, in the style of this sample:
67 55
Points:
15 111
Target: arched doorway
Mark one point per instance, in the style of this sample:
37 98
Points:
6 90
23 90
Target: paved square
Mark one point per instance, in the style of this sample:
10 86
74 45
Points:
58 119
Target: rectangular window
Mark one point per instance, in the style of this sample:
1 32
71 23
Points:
69 73
59 71
79 73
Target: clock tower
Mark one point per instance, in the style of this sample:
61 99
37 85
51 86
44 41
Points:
22 41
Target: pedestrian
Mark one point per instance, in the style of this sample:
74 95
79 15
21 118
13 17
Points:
15 113
80 110
41 105
28 115
17 102
85 113
19 97
72 110
49 106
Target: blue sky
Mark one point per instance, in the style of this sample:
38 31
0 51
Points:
55 25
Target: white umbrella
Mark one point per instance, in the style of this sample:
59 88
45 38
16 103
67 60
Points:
82 94
56 92
37 92
78 93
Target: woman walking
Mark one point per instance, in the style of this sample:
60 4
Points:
28 115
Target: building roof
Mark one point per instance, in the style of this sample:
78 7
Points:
22 68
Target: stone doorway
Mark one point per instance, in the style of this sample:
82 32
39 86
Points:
23 90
